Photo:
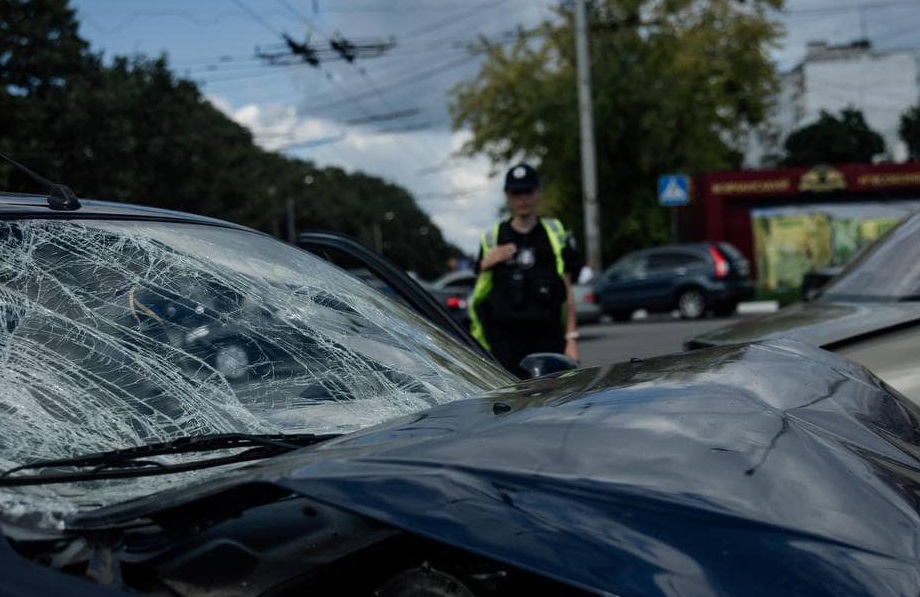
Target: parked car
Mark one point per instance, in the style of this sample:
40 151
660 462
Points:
586 308
379 272
869 312
691 278
459 280
454 289
357 448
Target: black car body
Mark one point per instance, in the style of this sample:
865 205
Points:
692 278
869 312
366 451
540 489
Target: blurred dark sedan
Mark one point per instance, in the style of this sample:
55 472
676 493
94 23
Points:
452 291
870 312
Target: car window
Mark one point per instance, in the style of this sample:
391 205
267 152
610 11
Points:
730 251
687 260
121 333
673 261
628 267
659 262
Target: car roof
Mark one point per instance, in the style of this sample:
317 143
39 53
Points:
672 247
29 205
453 276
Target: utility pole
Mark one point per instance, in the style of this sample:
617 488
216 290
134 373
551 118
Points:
586 120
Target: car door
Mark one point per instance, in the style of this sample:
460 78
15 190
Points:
622 285
663 270
377 270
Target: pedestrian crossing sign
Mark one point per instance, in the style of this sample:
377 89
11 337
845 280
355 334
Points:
673 190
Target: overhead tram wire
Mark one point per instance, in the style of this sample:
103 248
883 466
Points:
257 17
474 11
414 78
138 14
312 26
836 9
277 33
431 27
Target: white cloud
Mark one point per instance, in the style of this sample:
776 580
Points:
457 193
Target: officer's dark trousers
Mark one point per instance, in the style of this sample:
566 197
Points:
511 342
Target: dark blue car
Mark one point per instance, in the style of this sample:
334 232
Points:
691 278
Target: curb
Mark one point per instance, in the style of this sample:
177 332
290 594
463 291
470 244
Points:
758 307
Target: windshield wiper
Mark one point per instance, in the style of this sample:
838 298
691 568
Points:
128 462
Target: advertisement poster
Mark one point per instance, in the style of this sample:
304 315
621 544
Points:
791 241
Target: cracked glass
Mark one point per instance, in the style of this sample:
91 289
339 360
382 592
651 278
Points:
117 334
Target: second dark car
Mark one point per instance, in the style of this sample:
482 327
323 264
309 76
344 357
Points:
691 278
869 312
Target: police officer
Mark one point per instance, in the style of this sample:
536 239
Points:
522 302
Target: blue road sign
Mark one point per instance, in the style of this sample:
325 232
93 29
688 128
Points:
673 190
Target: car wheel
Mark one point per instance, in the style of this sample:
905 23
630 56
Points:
691 303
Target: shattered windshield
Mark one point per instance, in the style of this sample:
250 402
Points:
122 333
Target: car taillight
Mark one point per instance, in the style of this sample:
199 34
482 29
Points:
589 297
455 302
721 263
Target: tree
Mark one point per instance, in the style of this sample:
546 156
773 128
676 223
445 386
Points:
675 83
41 55
910 131
833 140
132 131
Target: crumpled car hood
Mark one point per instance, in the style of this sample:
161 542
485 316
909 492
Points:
773 468
820 323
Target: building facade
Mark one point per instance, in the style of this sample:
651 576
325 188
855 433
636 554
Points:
881 85
790 221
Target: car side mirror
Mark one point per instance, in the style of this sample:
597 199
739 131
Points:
544 363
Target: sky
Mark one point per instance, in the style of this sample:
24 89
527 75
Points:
386 113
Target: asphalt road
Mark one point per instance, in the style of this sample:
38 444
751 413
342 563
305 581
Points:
655 335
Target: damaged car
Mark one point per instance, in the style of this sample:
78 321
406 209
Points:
192 408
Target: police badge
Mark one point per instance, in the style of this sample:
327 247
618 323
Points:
526 257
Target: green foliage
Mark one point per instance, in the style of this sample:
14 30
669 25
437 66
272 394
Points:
673 89
132 131
832 140
910 131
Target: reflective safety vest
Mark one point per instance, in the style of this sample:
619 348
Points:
558 238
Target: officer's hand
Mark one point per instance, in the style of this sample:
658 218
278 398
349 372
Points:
498 254
571 350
